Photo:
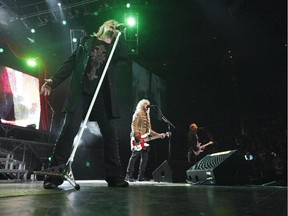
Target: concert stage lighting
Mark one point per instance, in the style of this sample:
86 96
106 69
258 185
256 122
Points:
32 62
131 21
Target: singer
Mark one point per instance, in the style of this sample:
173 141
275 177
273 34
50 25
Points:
140 127
85 66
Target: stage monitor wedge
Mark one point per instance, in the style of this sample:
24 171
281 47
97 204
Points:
221 168
173 171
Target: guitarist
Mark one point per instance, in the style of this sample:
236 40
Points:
196 144
140 126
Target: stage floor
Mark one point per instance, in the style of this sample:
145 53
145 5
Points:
141 199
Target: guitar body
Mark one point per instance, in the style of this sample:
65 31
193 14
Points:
137 146
201 147
142 144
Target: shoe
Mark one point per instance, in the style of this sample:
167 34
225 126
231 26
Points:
140 178
129 178
52 183
116 182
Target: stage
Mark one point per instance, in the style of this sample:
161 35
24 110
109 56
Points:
142 199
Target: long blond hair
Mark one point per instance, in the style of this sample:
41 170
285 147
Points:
141 104
101 30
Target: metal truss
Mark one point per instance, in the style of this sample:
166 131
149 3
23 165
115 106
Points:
18 145
38 13
14 159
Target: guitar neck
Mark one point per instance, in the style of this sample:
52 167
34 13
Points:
209 143
152 138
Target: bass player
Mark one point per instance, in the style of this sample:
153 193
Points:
140 129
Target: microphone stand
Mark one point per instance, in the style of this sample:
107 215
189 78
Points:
209 137
169 124
208 134
52 119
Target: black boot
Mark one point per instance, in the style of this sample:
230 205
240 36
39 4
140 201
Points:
140 177
52 182
116 182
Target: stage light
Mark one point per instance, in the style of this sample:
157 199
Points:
128 5
249 156
32 31
31 40
32 62
64 22
130 21
59 4
74 40
87 164
1 50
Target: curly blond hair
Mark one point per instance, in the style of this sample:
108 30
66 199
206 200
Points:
101 30
141 104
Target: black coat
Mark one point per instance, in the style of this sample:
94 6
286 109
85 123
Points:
75 66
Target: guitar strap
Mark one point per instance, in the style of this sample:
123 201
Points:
197 138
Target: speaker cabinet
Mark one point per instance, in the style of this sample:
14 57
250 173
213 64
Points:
221 168
171 171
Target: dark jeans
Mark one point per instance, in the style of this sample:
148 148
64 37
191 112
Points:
142 165
71 127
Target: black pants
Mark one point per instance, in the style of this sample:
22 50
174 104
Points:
142 165
71 127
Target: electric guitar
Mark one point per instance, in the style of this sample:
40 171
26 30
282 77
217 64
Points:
137 146
201 147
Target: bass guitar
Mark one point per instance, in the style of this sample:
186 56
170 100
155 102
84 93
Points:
201 147
137 146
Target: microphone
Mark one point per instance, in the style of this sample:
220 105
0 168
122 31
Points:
120 27
151 106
